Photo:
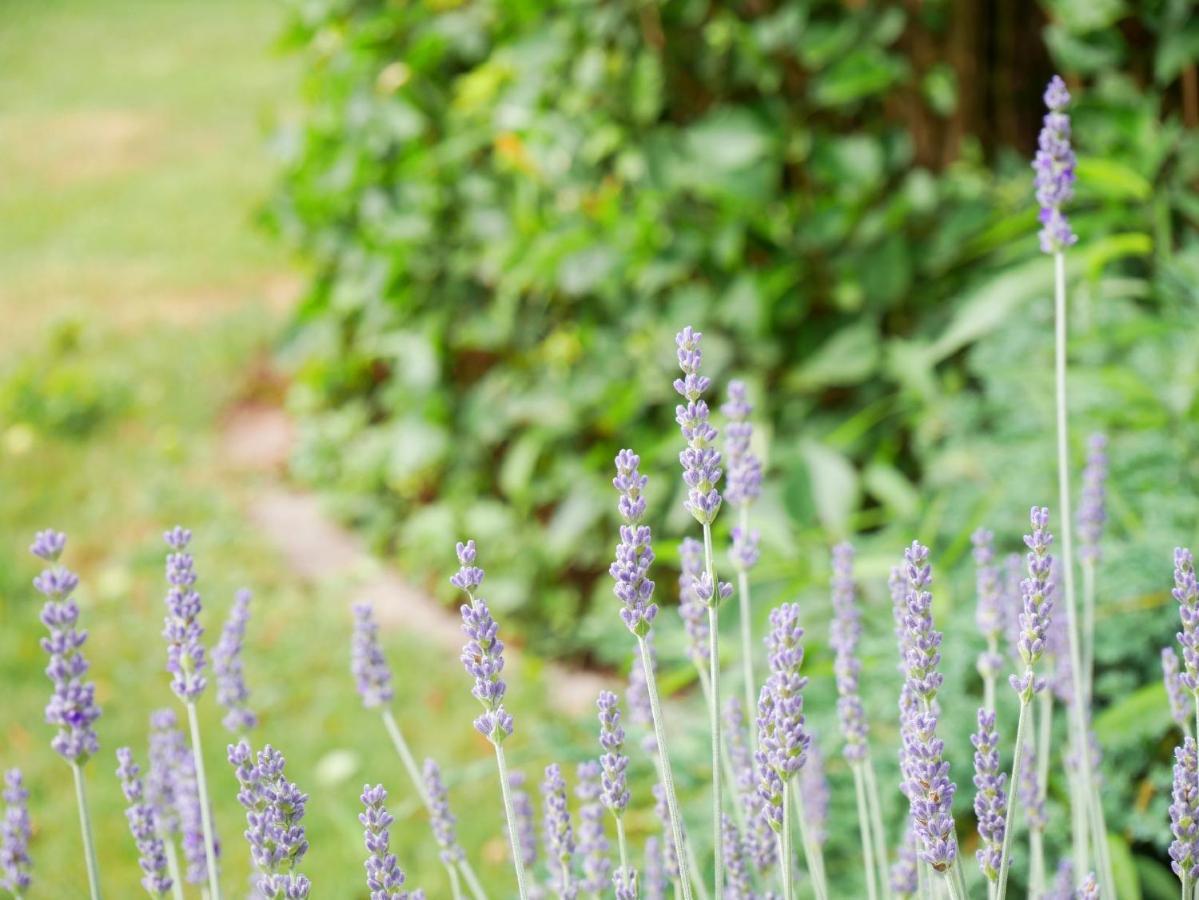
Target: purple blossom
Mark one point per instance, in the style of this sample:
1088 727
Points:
759 838
1063 882
700 459
655 883
1037 592
844 634
367 662
634 553
440 817
1089 889
989 610
669 857
72 705
905 881
624 883
1092 505
738 885
990 798
613 762
1179 702
785 739
927 784
559 832
384 877
1031 798
522 811
1055 165
769 782
16 830
745 471
813 785
182 630
274 812
1186 593
231 690
692 609
483 653
143 826
1184 812
593 844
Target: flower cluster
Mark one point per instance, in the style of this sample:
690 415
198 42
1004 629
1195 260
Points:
1092 506
15 832
759 837
72 705
1184 812
614 786
367 662
1037 591
182 630
559 832
634 553
1186 593
593 845
440 817
483 653
745 471
384 877
990 799
700 459
1055 165
1180 710
844 634
738 884
231 690
274 812
143 825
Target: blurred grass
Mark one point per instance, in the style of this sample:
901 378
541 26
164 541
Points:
135 292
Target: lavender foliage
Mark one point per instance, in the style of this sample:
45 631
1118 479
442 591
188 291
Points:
274 812
1055 165
72 706
443 821
990 798
369 666
594 848
614 764
143 826
15 833
483 653
845 632
231 691
700 460
634 553
559 833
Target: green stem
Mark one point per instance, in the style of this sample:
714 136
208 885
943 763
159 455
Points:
1078 820
455 883
726 763
168 846
1005 855
85 826
664 770
1044 726
214 881
747 639
621 842
922 879
518 862
1098 827
956 882
876 828
859 789
714 717
813 855
785 847
989 679
471 879
1088 630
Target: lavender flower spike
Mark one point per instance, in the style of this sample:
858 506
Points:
1179 710
738 885
990 799
927 784
593 844
1055 165
700 459
745 471
367 662
274 812
1037 591
559 833
1186 593
759 838
634 553
1184 814
72 706
614 763
15 832
384 877
142 824
692 609
231 689
904 874
441 818
844 634
182 630
483 654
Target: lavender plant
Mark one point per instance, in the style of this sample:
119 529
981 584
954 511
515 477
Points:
1176 694
171 791
614 790
143 826
524 839
384 877
1184 816
990 799
15 833
989 612
231 691
559 833
758 837
274 812
72 706
1092 514
444 825
185 662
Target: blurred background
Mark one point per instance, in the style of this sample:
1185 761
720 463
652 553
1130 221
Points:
337 283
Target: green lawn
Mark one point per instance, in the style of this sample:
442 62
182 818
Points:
136 291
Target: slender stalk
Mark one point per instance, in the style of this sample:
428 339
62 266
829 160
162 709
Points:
955 881
813 855
168 846
697 879
214 881
85 827
622 843
989 679
1186 887
747 638
455 883
518 862
726 764
876 828
922 880
1078 822
859 789
1036 865
1005 855
1098 827
785 847
667 776
1036 836
714 717
1088 630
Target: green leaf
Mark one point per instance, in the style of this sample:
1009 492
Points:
1156 880
1112 179
1112 247
856 76
834 483
1124 872
889 485
850 356
1141 714
728 139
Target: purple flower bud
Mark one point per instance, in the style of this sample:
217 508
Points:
522 811
844 634
367 662
593 844
274 811
469 576
1184 812
483 653
384 877
559 833
701 459
783 738
1037 591
989 610
182 630
440 817
613 762
634 553
738 885
72 705
745 471
142 824
745 552
231 690
990 798
1092 505
1179 701
905 880
16 830
624 882
759 839
1055 166
1186 593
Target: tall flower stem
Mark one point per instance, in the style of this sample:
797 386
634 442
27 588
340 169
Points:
747 636
622 844
168 846
726 764
214 881
1079 724
876 828
667 775
518 862
85 827
786 848
1036 837
714 711
859 789
1005 856
813 855
455 882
